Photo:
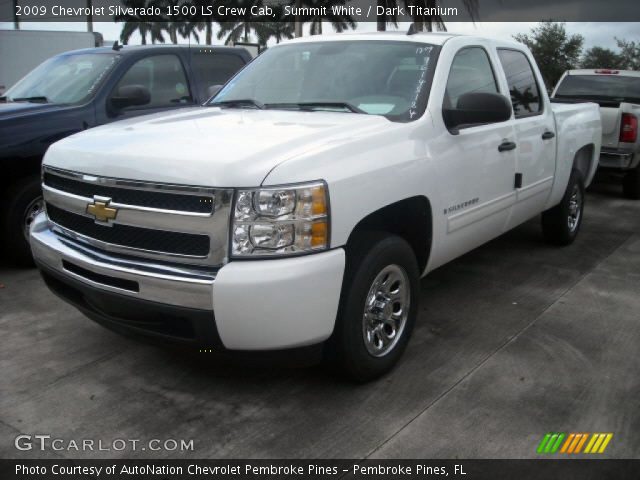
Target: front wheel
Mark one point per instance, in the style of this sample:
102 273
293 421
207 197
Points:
561 224
378 306
23 203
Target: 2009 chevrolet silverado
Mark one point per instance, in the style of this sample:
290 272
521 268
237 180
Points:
304 204
618 94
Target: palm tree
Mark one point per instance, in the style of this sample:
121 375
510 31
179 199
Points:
241 28
205 22
383 20
189 29
208 30
185 30
142 25
279 30
339 23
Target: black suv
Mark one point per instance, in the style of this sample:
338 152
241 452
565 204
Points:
85 88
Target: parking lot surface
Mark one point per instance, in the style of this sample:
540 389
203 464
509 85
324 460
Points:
513 340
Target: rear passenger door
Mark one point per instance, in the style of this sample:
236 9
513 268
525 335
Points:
165 78
535 136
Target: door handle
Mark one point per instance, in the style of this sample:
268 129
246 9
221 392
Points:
548 135
506 146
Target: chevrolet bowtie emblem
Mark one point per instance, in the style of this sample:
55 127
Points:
101 210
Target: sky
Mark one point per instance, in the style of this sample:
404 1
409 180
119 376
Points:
595 33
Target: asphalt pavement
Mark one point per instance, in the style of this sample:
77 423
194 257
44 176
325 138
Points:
513 340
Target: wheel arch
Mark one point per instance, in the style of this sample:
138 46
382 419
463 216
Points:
584 161
410 219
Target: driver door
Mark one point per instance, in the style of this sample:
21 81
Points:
475 163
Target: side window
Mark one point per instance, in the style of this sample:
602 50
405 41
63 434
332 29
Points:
470 72
214 69
523 88
163 76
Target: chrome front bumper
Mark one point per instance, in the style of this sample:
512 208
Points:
176 285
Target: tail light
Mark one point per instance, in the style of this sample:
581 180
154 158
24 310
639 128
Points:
629 128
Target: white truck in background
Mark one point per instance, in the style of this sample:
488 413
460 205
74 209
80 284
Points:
303 203
618 94
23 50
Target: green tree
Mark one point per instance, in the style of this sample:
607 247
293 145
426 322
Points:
142 25
554 50
339 23
244 25
598 57
205 22
630 54
277 30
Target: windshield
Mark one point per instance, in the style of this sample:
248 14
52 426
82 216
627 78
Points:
62 79
612 88
387 78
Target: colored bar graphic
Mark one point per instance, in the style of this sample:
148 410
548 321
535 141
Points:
605 443
591 442
543 443
581 443
573 443
555 448
565 447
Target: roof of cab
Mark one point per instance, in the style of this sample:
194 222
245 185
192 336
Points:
433 38
125 49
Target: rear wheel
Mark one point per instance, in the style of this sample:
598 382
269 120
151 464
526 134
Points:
24 202
631 184
561 224
378 306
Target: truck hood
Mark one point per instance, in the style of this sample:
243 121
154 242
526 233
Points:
207 146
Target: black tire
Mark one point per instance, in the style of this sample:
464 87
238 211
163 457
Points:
556 225
631 184
20 199
367 257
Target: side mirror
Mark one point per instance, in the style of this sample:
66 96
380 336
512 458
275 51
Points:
477 109
129 96
213 90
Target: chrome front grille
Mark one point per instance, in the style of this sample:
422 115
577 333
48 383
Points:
174 223
182 202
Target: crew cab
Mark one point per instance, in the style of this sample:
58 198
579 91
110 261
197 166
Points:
618 94
300 208
84 88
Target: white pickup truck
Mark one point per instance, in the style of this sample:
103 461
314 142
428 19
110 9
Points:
618 94
303 203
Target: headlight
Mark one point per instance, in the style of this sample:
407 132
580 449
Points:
280 220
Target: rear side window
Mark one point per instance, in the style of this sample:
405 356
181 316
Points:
523 88
471 72
163 76
214 69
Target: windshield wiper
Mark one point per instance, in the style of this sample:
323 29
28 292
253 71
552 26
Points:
239 102
312 106
35 99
